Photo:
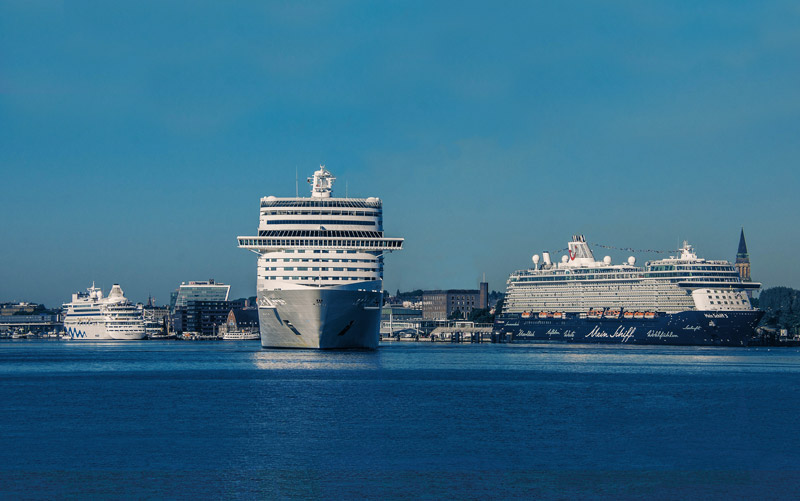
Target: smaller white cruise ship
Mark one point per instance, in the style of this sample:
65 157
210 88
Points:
91 317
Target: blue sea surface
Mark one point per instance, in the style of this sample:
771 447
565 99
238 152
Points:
170 419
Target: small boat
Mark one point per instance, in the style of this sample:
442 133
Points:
638 315
558 315
628 314
595 313
612 314
526 314
649 315
543 314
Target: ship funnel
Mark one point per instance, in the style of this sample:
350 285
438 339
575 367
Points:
115 292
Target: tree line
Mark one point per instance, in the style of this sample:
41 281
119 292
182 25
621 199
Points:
781 307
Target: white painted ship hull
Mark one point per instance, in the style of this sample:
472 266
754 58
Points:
333 318
101 331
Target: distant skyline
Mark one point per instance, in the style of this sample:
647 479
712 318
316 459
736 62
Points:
136 139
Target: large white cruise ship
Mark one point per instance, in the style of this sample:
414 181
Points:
682 300
320 268
91 317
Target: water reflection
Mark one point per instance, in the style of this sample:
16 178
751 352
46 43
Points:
316 360
71 357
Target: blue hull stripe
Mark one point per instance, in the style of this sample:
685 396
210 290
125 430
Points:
691 328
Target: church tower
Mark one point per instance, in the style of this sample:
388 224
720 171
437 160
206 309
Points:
743 259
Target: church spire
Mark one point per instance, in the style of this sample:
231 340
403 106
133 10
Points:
743 259
742 253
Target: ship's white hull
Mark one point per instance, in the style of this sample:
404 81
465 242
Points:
325 318
103 331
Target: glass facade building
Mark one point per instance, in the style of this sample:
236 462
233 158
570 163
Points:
200 291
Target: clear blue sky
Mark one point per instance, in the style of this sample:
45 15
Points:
137 137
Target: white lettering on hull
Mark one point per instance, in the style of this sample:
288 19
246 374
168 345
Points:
661 334
622 333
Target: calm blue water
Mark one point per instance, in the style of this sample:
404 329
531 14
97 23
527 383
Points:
183 420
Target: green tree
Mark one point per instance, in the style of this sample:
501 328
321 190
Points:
481 316
781 307
499 306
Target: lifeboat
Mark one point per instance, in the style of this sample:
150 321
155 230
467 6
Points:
612 314
650 315
526 314
595 314
628 314
638 315
558 315
542 314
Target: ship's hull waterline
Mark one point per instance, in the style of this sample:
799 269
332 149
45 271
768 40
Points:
688 328
319 319
101 332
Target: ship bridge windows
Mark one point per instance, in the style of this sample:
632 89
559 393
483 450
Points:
320 213
321 233
355 204
320 222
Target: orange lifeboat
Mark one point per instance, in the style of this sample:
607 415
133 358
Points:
595 313
628 314
650 315
638 315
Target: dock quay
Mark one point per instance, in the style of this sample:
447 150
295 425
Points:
443 331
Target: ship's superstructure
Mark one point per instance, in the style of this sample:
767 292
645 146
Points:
92 317
679 300
320 268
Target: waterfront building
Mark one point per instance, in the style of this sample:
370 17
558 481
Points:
202 317
199 291
483 295
32 322
155 314
242 319
18 308
442 304
200 306
400 313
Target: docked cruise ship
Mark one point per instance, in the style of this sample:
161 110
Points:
92 317
681 300
320 268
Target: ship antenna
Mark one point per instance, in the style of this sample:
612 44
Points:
345 188
296 185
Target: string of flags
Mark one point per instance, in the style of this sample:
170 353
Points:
628 249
